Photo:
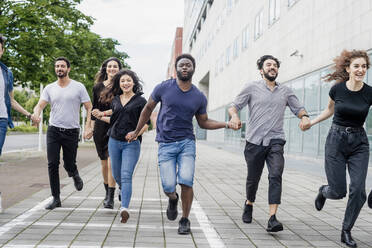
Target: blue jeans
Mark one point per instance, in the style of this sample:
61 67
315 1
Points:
124 157
181 153
3 129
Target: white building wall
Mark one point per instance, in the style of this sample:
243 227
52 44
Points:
318 29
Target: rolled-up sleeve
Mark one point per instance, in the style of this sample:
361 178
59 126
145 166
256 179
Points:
293 103
242 99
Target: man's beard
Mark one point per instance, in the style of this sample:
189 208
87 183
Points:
270 78
184 78
61 75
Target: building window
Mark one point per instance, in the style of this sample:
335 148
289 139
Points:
245 38
258 25
274 11
228 55
236 48
216 68
291 2
229 5
221 63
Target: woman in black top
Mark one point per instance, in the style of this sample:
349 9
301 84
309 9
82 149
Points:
103 78
126 104
347 145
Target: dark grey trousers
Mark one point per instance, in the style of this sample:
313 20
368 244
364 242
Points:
256 156
347 148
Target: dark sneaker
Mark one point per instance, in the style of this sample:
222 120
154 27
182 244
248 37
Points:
184 226
78 182
370 200
54 203
320 199
124 216
273 225
347 239
172 209
247 213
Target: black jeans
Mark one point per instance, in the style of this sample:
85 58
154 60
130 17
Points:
255 156
67 139
347 147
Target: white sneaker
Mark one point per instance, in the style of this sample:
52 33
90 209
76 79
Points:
124 213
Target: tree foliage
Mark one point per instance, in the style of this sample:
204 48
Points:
38 31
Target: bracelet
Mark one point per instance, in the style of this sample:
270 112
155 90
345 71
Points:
104 113
28 116
227 125
305 115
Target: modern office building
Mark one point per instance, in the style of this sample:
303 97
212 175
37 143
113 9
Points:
227 37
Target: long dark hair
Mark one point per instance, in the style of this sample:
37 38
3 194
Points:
113 89
102 74
342 62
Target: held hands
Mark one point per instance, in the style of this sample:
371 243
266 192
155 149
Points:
35 120
131 136
234 123
88 133
305 123
98 114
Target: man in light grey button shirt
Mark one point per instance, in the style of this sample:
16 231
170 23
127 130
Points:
266 100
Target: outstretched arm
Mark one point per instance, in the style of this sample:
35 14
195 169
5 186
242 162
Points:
16 106
37 110
326 113
234 122
144 118
206 123
88 126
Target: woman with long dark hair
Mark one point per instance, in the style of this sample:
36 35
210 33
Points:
103 79
347 145
126 104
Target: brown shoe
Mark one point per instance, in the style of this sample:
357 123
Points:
124 216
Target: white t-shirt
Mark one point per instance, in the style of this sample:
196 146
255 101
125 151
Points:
3 109
65 103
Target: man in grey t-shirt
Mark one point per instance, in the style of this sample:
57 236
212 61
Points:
266 100
65 97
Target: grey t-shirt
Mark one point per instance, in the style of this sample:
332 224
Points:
65 103
266 110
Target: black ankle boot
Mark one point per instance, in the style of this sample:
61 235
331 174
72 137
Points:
370 200
78 182
119 195
110 199
347 239
54 203
106 194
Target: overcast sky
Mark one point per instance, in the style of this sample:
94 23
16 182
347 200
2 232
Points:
144 28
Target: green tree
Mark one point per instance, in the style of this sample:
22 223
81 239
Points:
39 31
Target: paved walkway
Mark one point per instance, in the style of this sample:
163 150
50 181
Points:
215 216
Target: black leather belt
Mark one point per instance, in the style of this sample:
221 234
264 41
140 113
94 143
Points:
348 129
61 129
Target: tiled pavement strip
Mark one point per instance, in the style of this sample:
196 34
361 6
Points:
219 189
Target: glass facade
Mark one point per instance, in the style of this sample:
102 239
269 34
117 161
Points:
313 92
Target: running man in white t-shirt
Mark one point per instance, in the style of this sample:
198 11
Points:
65 97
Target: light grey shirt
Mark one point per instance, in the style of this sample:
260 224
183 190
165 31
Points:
266 110
3 109
65 103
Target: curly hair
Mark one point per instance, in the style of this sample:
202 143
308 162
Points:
342 62
262 59
102 74
113 89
